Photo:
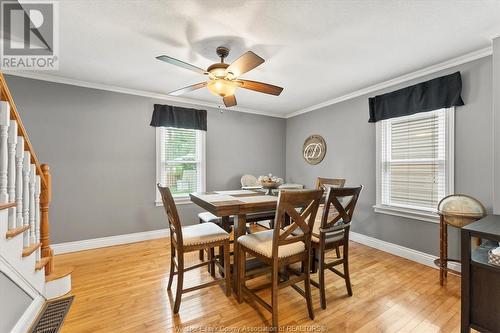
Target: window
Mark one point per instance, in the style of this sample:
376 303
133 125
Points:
415 163
180 161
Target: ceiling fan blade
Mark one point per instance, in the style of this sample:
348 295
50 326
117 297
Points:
260 87
229 101
181 63
244 63
187 89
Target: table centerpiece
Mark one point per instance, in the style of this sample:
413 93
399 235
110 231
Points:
270 182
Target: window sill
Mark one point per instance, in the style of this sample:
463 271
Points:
178 201
408 213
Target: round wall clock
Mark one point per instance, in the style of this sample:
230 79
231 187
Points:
314 149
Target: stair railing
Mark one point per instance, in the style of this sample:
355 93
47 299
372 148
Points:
25 182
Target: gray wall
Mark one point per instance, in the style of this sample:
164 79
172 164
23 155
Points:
102 156
351 155
101 151
13 303
496 124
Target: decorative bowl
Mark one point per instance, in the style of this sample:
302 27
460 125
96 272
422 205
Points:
270 182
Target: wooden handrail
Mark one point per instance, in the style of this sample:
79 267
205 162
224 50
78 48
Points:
6 96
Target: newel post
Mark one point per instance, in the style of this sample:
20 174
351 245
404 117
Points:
45 198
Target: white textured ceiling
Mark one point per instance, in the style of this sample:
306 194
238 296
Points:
316 50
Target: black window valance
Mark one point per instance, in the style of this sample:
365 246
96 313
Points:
442 92
179 117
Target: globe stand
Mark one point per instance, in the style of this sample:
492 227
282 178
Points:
457 210
443 260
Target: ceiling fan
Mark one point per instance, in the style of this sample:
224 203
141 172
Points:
224 79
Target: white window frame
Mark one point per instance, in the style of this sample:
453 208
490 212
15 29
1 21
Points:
418 214
184 199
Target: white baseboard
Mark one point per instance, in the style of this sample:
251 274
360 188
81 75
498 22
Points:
95 243
89 244
398 250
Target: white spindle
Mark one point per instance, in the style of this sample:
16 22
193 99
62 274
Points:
38 190
26 194
19 181
32 204
11 171
4 128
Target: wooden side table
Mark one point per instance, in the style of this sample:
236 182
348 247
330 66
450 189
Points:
480 294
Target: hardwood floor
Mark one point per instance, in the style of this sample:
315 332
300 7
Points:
123 289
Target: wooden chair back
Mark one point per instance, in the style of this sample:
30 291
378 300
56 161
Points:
299 208
324 183
174 222
345 211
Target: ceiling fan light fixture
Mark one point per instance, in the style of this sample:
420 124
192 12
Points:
224 79
221 87
217 70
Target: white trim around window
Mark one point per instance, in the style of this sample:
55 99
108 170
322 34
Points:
200 160
424 214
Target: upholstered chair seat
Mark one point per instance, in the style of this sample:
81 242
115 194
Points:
203 233
209 217
262 242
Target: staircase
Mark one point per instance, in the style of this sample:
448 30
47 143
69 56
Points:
25 195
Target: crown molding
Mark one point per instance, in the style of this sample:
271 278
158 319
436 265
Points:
142 93
478 54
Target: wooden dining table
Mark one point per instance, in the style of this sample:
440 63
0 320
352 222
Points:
237 203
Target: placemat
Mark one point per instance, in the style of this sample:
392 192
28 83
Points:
233 192
259 198
215 197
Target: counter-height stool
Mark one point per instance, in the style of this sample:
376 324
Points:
189 239
332 233
280 247
325 183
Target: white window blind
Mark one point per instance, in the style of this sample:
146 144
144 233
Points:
180 160
415 161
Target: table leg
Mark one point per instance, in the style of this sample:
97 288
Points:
441 251
240 222
445 252
226 226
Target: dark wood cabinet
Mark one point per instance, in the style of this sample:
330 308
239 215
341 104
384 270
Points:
480 279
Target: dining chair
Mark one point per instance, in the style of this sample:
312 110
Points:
193 238
249 182
333 233
325 183
279 248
